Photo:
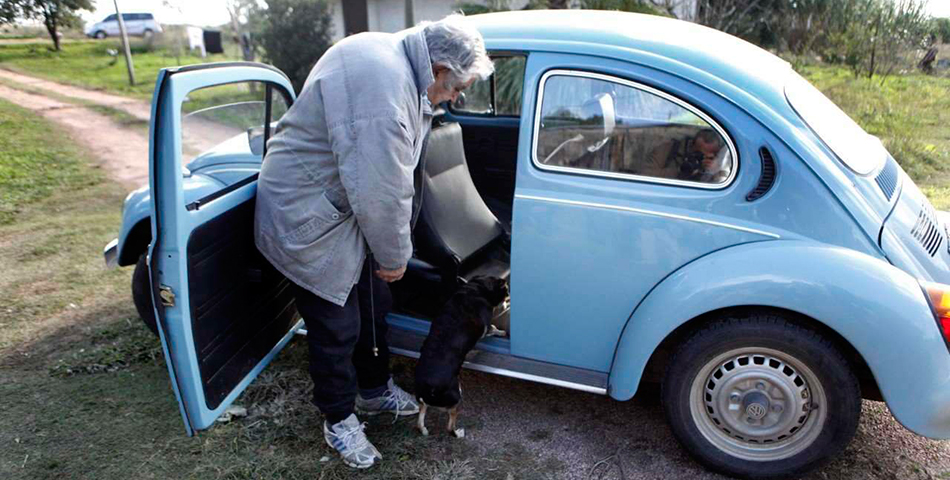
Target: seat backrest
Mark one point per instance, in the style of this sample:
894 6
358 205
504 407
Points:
454 223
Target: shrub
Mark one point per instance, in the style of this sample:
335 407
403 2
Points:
295 35
942 29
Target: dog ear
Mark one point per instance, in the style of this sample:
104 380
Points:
497 290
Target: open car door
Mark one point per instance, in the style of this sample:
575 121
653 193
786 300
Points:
223 312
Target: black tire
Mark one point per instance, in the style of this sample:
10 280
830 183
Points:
142 294
147 34
729 384
100 35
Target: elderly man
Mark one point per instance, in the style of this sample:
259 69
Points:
337 186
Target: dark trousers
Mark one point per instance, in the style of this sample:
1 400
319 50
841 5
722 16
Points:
341 344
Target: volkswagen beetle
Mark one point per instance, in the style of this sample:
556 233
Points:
669 204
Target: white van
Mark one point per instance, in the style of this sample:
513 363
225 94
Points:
139 24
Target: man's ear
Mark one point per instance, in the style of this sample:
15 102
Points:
437 69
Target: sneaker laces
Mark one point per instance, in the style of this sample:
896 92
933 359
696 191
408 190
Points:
400 397
355 439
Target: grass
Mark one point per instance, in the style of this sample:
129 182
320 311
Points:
910 114
88 63
33 163
83 384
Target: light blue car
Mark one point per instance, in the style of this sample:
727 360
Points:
671 204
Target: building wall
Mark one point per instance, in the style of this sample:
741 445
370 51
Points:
336 8
388 15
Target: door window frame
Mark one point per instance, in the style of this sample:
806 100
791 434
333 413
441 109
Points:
493 112
627 176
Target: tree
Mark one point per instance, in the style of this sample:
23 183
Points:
942 29
246 23
53 13
635 6
295 34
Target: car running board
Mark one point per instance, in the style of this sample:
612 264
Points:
408 344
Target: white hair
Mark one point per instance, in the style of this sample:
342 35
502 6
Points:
455 45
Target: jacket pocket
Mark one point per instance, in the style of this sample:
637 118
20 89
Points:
315 239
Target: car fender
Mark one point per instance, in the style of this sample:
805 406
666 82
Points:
879 309
137 209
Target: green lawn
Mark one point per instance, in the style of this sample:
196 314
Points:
910 114
34 163
87 63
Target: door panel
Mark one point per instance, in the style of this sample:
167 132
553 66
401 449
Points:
240 305
594 230
223 311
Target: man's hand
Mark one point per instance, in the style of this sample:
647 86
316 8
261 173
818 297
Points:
390 276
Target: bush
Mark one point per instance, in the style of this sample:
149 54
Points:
942 29
295 35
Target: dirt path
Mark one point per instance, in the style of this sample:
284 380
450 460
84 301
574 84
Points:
121 152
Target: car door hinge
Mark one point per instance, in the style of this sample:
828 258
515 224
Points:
167 295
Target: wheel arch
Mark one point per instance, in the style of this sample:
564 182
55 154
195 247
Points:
658 362
872 309
136 242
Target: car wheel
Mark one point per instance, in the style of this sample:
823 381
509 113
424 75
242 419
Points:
100 35
142 294
761 397
147 34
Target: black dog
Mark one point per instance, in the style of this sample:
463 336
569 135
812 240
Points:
464 320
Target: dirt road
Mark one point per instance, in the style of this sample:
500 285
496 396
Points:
121 151
576 433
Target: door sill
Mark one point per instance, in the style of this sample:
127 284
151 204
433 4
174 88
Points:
492 355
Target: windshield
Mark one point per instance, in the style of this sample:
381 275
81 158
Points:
860 152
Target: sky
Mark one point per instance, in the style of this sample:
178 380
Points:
195 12
213 12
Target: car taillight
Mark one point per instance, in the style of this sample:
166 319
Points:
939 295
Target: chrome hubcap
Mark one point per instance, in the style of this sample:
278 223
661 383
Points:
758 404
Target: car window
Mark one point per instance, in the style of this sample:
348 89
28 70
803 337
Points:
591 123
147 16
110 18
227 119
859 151
500 94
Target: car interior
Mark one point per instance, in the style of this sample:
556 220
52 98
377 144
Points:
457 236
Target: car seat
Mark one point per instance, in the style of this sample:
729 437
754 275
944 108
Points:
456 236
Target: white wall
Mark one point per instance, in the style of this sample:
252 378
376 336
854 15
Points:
387 15
336 7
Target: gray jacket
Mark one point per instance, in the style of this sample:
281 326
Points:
338 174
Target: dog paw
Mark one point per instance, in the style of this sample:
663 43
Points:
424 431
459 433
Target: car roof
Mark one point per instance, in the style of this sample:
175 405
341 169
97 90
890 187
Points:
681 47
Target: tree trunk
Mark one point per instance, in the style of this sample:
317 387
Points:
50 23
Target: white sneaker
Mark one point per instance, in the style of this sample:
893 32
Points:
394 400
348 439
